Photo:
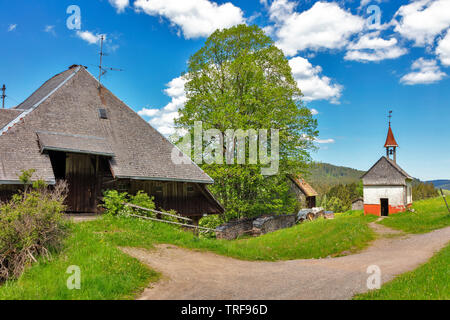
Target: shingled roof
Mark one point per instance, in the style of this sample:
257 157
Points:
385 172
304 186
63 114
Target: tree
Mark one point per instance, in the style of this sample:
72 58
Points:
240 80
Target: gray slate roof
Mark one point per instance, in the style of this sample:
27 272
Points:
63 113
385 172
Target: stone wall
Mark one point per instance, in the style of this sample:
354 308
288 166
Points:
234 229
254 226
268 224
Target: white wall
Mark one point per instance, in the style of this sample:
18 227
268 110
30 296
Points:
395 194
409 198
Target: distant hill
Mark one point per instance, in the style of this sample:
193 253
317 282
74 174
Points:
444 184
322 176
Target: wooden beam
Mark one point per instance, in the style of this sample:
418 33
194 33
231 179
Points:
171 222
155 211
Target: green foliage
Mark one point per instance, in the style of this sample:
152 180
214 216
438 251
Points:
323 176
31 226
339 198
240 80
422 191
114 202
25 177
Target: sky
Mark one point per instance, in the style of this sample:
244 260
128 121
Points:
353 60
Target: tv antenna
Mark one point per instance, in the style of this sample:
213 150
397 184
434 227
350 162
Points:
3 96
103 70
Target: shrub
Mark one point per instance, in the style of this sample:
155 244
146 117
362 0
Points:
31 226
114 203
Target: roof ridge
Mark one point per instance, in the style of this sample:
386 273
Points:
28 111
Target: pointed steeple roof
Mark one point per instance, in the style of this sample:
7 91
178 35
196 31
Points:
390 140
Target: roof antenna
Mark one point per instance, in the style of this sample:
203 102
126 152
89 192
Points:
3 96
102 71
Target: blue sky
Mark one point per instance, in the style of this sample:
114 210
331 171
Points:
351 69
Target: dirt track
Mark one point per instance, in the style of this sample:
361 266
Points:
189 274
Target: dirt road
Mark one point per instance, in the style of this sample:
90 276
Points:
189 274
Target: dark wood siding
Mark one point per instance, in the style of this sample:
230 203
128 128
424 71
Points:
82 179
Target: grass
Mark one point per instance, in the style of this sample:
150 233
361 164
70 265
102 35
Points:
107 273
429 215
428 282
431 280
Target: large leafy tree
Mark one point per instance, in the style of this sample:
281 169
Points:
240 80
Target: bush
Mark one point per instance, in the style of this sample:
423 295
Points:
114 203
31 226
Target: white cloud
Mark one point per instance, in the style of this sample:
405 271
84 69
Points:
423 72
163 119
314 112
50 29
196 18
423 20
324 141
324 26
443 49
89 37
313 85
12 27
370 47
120 5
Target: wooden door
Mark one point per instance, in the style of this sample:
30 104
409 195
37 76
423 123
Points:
384 207
81 177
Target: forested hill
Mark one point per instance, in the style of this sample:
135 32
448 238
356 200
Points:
444 184
325 175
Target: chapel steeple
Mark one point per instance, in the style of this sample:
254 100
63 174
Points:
391 145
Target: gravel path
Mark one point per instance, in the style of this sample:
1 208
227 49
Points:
190 274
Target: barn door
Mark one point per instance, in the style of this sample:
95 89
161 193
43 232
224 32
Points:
384 207
81 177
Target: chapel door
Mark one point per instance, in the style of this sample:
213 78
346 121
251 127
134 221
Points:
384 207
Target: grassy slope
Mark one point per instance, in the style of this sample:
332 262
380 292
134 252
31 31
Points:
107 273
431 280
429 215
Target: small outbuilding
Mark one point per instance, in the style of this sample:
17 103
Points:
358 204
305 194
387 187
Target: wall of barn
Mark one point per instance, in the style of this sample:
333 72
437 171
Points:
8 190
183 197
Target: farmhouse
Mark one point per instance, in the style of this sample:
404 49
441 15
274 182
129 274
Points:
387 187
74 129
304 193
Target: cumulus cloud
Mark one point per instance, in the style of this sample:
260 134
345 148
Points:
314 112
89 37
196 18
324 26
371 47
163 119
314 85
12 27
120 5
421 21
443 49
423 72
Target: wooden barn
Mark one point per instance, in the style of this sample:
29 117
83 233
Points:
387 187
75 130
304 193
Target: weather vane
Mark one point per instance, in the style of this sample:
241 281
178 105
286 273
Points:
390 116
